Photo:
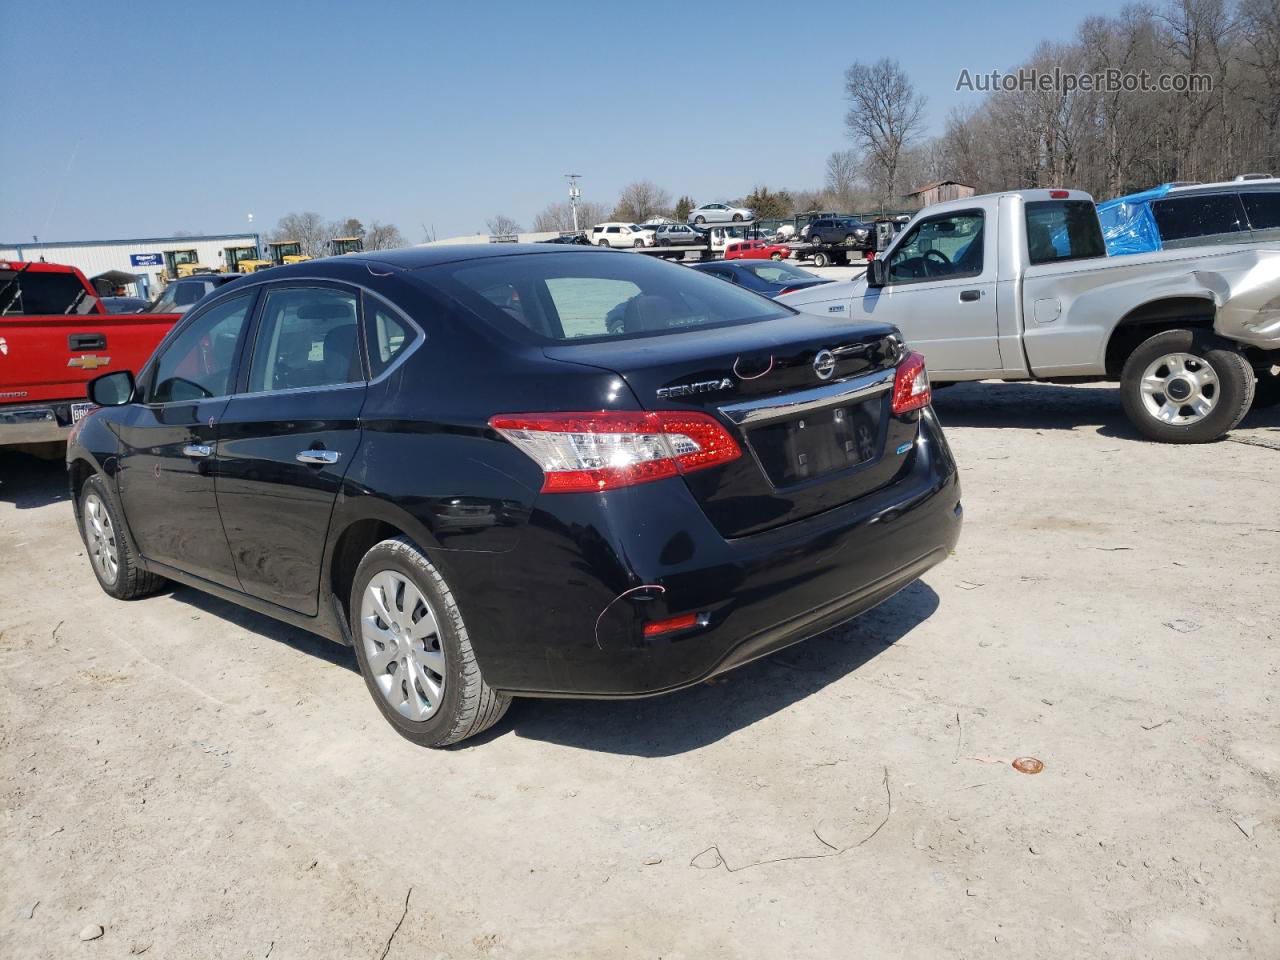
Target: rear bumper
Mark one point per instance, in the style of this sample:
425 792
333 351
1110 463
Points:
39 423
576 631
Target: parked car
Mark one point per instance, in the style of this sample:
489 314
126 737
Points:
676 233
719 213
124 304
836 230
756 250
621 235
1190 333
1244 210
183 294
579 239
768 277
55 335
387 449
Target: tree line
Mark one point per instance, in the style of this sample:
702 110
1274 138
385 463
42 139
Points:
313 233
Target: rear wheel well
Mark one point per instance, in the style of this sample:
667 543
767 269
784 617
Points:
1144 322
350 549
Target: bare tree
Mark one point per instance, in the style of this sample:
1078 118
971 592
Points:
383 236
843 170
308 229
885 116
559 216
502 226
641 200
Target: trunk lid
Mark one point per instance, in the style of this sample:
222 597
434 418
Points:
810 443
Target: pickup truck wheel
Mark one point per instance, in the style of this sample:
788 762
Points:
1184 386
112 554
414 650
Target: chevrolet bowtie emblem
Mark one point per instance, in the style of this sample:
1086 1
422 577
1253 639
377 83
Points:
88 361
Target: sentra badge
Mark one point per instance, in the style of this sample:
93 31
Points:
688 389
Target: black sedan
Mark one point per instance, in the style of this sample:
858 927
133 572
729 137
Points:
768 277
445 457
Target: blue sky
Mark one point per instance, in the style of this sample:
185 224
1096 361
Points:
136 120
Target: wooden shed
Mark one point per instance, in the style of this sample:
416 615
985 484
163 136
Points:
939 191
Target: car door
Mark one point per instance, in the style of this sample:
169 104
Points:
287 438
168 441
940 290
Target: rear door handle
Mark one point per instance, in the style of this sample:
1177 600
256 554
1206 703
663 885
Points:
968 296
197 450
318 456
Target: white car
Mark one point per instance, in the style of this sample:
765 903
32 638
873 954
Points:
719 213
621 235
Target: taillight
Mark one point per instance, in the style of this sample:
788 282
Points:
584 452
1059 194
687 621
786 290
911 389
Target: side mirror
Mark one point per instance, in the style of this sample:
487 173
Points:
112 389
876 273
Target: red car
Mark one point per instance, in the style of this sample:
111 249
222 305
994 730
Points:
756 250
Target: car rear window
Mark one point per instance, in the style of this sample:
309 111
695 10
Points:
553 298
1063 230
1186 218
1263 208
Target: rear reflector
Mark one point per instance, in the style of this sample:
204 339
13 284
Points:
584 452
911 389
672 624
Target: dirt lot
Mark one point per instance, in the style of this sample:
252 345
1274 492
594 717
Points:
204 782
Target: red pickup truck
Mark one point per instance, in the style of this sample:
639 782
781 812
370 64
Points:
55 336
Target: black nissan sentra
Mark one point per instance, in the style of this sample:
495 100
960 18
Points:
518 471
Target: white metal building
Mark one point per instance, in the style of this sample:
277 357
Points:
144 257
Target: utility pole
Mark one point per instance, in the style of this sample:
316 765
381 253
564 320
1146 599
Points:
574 195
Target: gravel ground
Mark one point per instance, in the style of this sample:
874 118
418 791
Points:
201 781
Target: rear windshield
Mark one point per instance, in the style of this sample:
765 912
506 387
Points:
1063 230
28 292
598 296
775 272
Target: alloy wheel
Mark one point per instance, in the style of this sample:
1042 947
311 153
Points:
1179 388
100 534
402 644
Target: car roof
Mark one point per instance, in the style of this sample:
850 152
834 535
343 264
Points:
1223 186
417 258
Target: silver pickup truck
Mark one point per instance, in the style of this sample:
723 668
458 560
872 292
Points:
1018 286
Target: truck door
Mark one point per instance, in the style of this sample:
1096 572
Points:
940 291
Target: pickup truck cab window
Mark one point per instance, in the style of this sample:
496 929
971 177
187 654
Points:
198 363
1063 230
1263 209
940 248
307 338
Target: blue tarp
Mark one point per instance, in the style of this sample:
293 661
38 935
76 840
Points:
1128 225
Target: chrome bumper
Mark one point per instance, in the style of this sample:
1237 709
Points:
31 425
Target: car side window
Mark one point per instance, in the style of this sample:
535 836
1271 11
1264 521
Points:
197 365
1263 208
1193 218
614 229
940 248
188 293
307 338
387 335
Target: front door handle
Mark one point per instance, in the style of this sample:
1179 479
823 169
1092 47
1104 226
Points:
197 450
318 456
968 296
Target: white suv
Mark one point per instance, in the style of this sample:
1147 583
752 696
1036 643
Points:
621 235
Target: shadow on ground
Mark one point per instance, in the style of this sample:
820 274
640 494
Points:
679 722
29 482
1050 406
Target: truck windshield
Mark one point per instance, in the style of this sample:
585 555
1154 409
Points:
32 293
1063 230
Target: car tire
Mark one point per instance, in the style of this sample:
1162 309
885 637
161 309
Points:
446 699
602 242
638 244
111 550
850 238
775 256
664 242
737 218
1186 386
699 220
820 258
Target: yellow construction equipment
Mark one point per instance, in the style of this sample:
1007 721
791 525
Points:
340 245
182 263
286 251
244 260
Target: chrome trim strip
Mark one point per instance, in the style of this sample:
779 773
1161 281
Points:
828 395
